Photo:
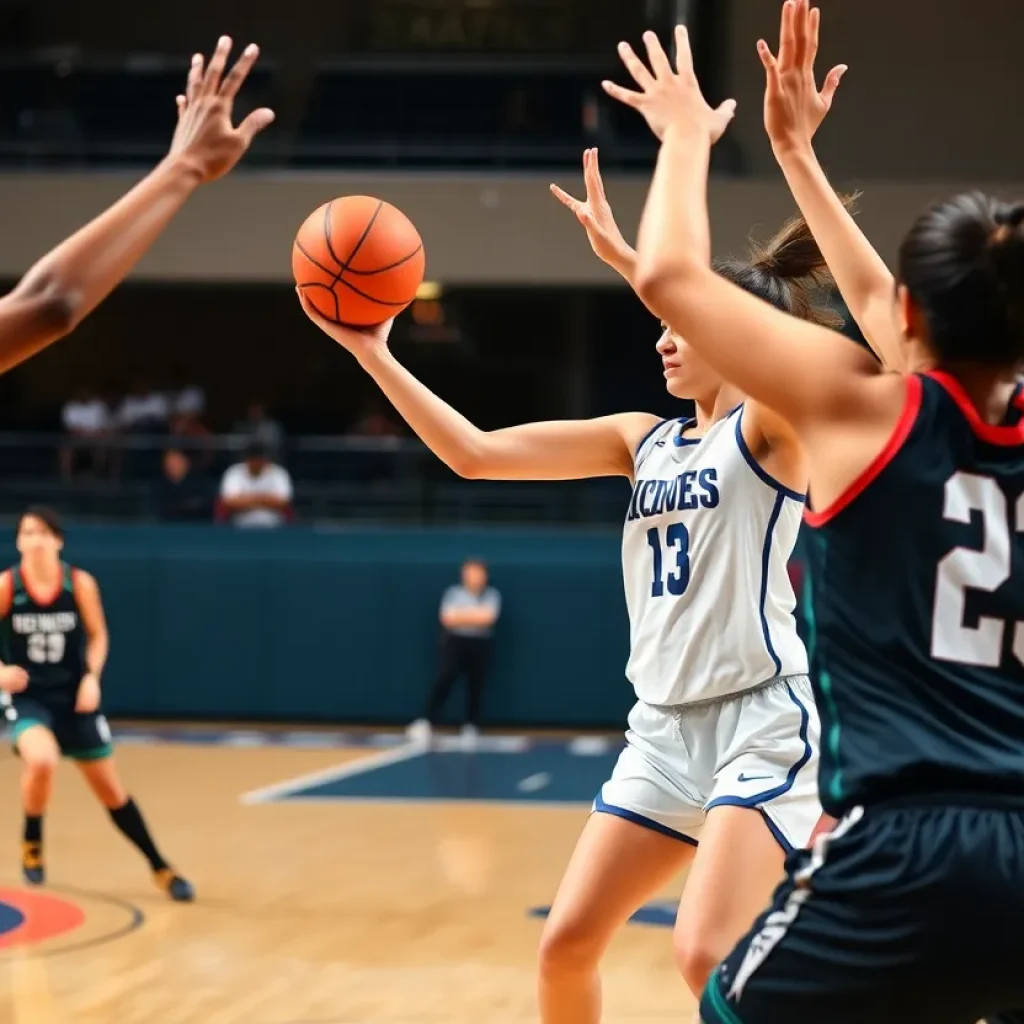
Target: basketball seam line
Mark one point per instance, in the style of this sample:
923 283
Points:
352 270
352 287
344 265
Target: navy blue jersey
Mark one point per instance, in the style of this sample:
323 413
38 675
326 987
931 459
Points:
917 613
45 639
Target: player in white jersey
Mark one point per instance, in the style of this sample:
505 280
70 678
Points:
722 744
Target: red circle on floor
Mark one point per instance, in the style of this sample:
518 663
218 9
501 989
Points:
36 916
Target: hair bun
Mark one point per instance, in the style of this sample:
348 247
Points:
1006 248
1008 223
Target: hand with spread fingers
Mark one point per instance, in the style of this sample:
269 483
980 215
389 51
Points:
205 135
595 214
794 107
670 99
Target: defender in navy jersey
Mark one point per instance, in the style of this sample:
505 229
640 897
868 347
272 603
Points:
916 645
53 646
910 909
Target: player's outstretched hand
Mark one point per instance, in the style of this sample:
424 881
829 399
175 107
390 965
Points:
794 107
667 97
595 214
205 135
13 679
360 341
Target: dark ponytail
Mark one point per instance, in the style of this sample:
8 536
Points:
789 272
963 264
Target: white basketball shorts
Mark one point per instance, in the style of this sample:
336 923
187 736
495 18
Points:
759 750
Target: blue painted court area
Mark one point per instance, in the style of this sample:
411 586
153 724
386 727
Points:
568 772
539 774
656 915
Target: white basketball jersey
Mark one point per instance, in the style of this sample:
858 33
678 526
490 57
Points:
705 547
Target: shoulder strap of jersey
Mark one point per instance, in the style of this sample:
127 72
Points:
68 572
17 583
659 434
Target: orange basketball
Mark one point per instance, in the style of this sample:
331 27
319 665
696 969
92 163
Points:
358 260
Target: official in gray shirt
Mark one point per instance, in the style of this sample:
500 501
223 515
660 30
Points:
469 612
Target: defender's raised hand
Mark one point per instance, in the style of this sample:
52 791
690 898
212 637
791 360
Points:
794 107
667 97
206 136
595 214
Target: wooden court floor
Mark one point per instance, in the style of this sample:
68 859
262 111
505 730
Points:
316 911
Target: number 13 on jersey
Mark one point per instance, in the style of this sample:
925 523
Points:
677 541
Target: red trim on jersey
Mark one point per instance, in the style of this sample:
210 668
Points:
911 407
991 433
34 594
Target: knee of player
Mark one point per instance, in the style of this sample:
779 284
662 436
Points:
569 944
696 957
40 762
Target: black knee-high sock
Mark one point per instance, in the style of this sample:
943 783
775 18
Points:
33 828
129 820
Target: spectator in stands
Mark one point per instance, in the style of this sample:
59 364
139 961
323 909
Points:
374 423
85 417
256 492
194 437
144 410
258 426
469 612
183 493
185 398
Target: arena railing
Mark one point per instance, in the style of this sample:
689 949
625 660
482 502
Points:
336 479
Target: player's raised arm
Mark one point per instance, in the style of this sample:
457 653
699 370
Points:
59 291
556 450
796 368
793 111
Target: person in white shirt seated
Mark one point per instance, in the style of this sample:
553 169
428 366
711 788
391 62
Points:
256 492
84 416
143 410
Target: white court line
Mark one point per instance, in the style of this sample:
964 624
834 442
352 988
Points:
342 771
454 801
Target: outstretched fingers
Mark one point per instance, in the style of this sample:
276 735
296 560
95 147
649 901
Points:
194 80
656 55
627 96
255 123
831 83
684 55
237 75
635 66
592 176
215 69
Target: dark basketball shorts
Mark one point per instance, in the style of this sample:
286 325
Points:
82 737
905 912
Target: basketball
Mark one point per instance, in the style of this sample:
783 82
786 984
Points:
358 260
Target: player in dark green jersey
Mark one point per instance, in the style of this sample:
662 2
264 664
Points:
53 646
910 909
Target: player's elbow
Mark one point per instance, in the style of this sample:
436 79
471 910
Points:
55 308
659 279
466 465
470 461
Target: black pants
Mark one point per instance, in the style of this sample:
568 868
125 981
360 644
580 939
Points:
468 656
